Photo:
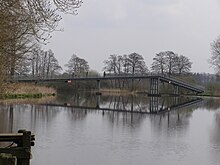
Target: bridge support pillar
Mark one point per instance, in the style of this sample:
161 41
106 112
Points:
154 104
154 87
175 90
98 86
175 100
98 101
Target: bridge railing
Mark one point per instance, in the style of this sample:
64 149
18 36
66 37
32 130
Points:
181 80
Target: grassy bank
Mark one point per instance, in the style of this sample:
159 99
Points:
23 90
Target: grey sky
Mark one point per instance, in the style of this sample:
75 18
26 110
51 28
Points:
147 27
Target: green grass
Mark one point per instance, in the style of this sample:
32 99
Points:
25 95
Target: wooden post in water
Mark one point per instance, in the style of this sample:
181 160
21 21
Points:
26 144
22 151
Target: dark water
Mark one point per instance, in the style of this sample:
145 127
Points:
71 135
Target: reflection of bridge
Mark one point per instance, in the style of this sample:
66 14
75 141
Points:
153 107
156 108
155 81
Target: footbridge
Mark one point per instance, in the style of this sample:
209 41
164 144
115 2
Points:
154 87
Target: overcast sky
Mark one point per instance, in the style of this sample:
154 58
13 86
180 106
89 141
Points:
147 27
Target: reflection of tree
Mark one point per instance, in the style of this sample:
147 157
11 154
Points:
212 104
83 99
128 102
45 113
215 136
168 121
125 102
20 116
77 114
78 99
132 120
6 119
216 129
176 118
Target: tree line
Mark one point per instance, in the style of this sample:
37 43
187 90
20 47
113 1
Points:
166 62
44 64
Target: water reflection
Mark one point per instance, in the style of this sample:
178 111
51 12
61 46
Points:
6 119
171 122
129 120
19 116
78 106
86 134
212 104
76 114
130 103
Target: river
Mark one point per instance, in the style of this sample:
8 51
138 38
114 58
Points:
68 132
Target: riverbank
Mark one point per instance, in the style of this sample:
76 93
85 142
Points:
23 90
27 90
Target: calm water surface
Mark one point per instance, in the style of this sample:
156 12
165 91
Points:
78 136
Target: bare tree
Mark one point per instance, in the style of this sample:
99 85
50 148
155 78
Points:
215 58
136 63
159 63
39 17
170 63
132 63
42 64
183 64
77 65
125 63
114 64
